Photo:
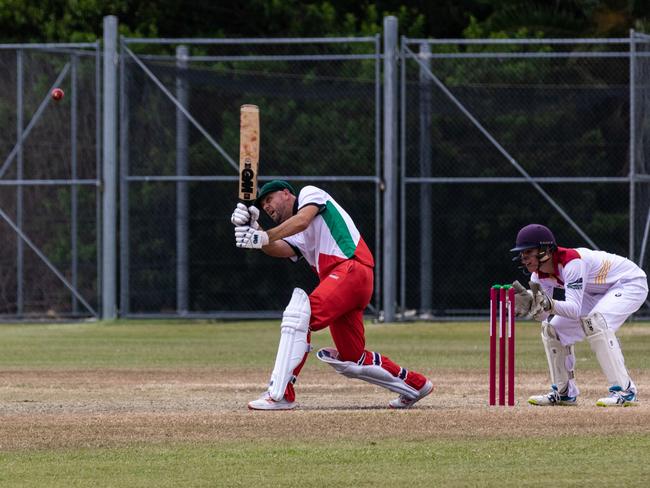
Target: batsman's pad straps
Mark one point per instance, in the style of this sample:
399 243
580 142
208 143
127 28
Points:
330 356
403 373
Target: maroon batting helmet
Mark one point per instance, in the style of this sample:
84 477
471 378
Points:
534 236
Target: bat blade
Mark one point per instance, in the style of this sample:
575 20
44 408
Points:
249 151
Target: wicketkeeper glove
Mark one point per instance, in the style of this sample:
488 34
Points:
247 237
542 304
243 216
523 300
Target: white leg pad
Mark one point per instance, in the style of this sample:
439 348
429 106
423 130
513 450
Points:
371 373
561 361
605 345
293 342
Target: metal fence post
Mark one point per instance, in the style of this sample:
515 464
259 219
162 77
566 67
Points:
124 172
390 221
98 169
109 186
20 250
182 197
74 189
426 247
632 171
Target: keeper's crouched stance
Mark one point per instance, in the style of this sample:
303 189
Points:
313 226
601 291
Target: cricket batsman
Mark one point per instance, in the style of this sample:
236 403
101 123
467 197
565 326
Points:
601 291
313 226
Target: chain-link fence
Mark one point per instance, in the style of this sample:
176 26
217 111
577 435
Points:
49 159
502 133
180 99
493 135
640 147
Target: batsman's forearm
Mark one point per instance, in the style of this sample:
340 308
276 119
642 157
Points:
278 249
289 227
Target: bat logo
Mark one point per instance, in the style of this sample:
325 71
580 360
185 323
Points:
247 177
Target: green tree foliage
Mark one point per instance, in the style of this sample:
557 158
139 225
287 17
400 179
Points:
81 20
565 18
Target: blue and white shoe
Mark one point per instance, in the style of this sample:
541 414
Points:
618 397
552 399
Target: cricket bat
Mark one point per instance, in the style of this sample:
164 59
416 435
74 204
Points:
249 152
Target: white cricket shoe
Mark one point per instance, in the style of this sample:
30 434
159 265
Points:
403 401
552 398
265 402
619 398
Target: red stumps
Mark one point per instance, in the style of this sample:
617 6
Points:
502 305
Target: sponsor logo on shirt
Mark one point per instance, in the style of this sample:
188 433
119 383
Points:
575 285
334 277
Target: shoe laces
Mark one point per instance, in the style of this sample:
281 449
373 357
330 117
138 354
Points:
554 395
618 393
615 391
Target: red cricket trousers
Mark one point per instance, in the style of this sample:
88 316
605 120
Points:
338 302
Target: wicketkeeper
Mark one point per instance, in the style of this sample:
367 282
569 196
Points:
601 291
313 226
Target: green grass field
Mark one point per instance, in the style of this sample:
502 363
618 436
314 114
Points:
163 403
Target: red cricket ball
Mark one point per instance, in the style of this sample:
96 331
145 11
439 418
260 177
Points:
57 94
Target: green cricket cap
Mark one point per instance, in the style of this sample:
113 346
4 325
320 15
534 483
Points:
270 187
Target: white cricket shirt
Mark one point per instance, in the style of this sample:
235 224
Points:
331 237
584 271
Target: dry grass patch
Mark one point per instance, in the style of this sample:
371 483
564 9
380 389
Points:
113 408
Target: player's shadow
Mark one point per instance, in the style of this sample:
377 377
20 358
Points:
334 408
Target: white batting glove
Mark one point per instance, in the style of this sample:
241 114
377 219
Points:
247 237
255 215
242 216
